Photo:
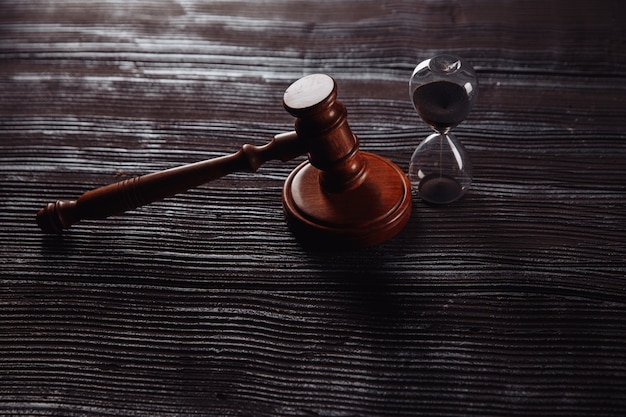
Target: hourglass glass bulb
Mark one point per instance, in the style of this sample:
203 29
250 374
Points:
440 170
443 90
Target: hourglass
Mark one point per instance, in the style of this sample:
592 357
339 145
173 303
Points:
443 90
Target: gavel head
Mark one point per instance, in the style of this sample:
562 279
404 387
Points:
322 123
341 196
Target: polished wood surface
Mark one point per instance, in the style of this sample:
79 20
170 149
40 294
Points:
510 302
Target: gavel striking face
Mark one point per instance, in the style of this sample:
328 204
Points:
340 197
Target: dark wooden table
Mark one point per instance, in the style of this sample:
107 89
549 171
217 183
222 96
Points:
511 302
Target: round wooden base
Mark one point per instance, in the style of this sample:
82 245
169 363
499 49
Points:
366 215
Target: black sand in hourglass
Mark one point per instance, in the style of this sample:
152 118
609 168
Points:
442 104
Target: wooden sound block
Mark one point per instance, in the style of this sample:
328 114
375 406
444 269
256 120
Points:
373 211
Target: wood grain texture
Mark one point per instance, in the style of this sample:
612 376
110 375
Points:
509 303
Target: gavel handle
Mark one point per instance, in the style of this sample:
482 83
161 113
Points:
135 192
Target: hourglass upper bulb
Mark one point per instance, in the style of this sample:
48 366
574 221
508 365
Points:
443 90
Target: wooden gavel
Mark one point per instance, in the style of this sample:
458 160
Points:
340 196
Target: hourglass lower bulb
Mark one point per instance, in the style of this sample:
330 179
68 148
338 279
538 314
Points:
443 90
440 169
